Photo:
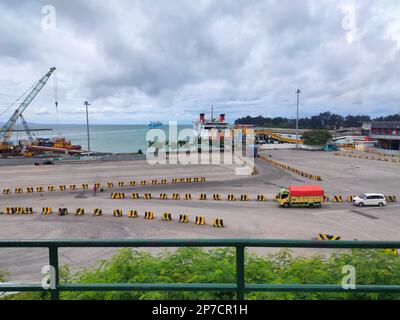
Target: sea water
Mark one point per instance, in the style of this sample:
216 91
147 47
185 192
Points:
103 138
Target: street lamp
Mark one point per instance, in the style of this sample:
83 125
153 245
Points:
87 124
297 119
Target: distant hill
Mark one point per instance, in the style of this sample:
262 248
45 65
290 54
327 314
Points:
325 120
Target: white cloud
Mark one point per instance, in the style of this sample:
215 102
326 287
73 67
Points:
137 61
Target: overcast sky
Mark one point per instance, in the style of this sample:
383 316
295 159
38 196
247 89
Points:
141 61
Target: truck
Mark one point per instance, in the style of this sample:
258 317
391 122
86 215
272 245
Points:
301 196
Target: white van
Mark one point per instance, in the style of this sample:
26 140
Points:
370 199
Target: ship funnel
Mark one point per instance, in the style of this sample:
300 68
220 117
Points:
222 117
202 117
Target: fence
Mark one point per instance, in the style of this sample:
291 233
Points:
240 286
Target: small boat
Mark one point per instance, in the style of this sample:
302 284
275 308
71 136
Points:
153 125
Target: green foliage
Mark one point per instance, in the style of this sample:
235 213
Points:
194 265
3 275
325 120
316 137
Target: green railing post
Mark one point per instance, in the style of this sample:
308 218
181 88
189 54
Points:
240 282
53 261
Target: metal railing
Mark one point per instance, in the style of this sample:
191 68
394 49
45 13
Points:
240 286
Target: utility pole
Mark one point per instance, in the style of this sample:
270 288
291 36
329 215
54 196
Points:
87 124
297 119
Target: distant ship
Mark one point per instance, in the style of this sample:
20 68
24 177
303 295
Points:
153 125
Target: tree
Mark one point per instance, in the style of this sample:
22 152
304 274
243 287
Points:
316 137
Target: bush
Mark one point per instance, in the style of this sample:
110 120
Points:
316 137
193 265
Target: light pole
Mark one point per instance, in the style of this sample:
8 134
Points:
87 124
297 119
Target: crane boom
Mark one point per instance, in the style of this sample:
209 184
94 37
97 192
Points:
27 129
36 89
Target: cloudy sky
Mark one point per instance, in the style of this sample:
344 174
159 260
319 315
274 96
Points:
137 61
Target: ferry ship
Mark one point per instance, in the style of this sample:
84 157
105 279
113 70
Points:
211 128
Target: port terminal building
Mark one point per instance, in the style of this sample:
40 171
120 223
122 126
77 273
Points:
387 133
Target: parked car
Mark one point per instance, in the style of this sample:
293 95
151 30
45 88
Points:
370 199
44 163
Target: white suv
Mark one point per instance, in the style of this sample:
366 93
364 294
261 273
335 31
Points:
370 199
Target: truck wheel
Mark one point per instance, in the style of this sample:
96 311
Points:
286 205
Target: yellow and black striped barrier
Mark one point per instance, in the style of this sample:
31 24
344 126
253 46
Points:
85 186
118 213
217 197
62 188
121 184
118 195
149 215
203 196
97 212
187 196
323 237
47 211
135 195
261 198
147 196
28 210
188 180
19 210
284 166
326 198
72 187
154 182
132 183
62 211
200 220
164 181
218 223
97 185
163 196
337 198
79 212
166 216
176 196
231 197
9 210
350 198
51 188
143 182
19 190
110 185
6 191
29 190
132 214
183 218
391 198
244 197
